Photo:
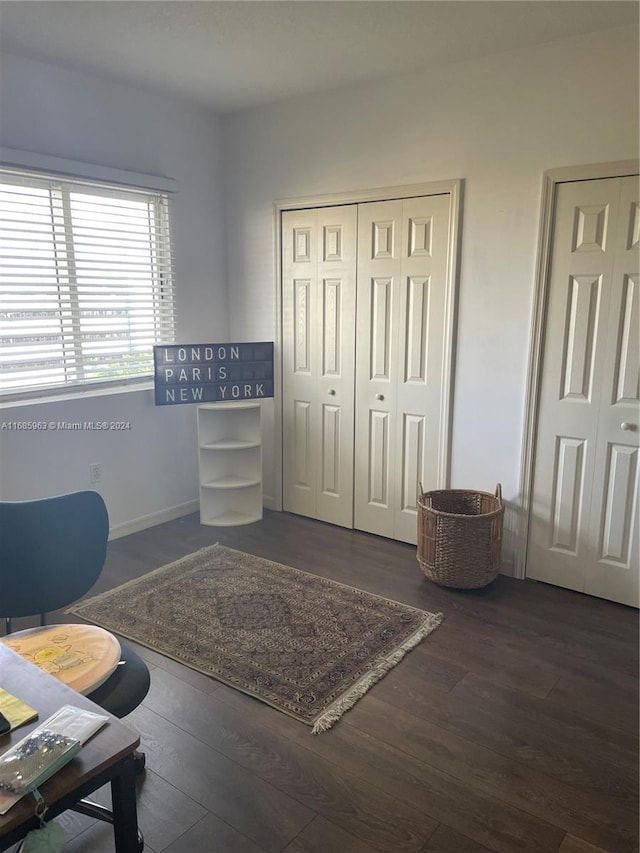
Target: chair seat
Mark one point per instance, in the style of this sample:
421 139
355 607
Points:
126 687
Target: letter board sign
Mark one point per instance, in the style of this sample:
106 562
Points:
212 373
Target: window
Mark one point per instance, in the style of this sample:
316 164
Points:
86 286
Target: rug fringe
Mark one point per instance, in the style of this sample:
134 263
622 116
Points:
335 711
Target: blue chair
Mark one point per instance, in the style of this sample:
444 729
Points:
51 553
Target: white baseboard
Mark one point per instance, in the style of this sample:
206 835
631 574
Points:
145 521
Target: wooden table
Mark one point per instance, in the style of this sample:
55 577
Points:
106 757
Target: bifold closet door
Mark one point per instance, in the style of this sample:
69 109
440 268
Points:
318 309
364 321
401 318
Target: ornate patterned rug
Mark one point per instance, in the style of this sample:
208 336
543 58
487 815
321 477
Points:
308 646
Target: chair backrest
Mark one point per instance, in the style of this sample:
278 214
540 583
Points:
51 551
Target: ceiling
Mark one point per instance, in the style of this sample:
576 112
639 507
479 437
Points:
241 53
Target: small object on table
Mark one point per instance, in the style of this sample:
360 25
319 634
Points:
15 711
5 725
40 754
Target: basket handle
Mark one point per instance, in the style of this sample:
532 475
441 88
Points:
423 499
499 492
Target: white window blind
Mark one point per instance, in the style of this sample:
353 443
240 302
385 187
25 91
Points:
86 284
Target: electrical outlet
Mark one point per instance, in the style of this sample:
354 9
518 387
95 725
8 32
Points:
95 472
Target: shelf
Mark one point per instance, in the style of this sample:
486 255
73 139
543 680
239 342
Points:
230 519
229 407
230 463
229 444
230 482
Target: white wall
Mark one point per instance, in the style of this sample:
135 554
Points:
151 469
498 123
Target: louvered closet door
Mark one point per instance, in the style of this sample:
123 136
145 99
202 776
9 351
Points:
318 263
584 525
401 316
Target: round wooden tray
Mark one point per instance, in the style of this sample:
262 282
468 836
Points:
81 656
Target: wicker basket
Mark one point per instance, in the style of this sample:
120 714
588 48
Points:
460 536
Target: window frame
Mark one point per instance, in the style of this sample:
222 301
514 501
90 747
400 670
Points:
110 179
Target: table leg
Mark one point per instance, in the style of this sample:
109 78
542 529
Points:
125 816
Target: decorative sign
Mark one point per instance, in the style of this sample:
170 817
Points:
212 373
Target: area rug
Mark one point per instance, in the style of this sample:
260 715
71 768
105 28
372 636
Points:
306 645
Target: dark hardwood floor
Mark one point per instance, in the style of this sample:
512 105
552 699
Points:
513 727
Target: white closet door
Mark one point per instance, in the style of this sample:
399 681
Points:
401 319
318 263
378 328
612 567
584 532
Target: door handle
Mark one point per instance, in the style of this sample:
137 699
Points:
331 392
625 425
379 396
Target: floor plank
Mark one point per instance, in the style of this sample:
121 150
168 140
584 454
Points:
321 835
212 834
487 654
616 709
446 840
577 845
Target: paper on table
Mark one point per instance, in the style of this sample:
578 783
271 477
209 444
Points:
15 710
75 722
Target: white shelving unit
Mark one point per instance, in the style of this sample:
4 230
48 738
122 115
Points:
230 463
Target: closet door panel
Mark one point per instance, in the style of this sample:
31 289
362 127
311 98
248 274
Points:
318 263
300 431
419 374
335 319
378 329
401 318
